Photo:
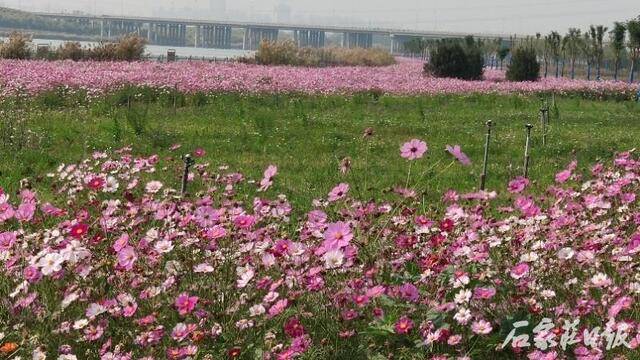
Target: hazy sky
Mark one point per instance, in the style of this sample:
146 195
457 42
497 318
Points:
488 16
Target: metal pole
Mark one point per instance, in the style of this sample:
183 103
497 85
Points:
188 162
526 151
483 177
543 120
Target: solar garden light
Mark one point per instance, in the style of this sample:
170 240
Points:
188 162
526 151
483 177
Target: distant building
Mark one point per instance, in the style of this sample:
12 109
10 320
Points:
283 12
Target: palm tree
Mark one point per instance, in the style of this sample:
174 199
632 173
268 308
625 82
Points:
633 26
597 37
586 47
572 44
554 41
617 45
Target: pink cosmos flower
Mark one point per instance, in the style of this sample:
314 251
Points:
267 179
206 216
622 303
7 239
153 187
32 274
185 303
338 192
519 270
518 184
565 174
413 149
199 152
481 327
404 325
127 257
456 151
6 212
25 211
484 293
244 221
336 236
121 242
278 307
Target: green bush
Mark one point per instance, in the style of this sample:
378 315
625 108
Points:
18 46
456 59
524 65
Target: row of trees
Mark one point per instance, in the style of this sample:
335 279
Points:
563 55
591 48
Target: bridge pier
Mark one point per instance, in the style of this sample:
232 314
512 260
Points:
309 38
254 36
357 39
217 37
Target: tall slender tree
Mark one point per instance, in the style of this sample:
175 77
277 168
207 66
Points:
586 47
554 40
571 44
633 26
617 37
597 46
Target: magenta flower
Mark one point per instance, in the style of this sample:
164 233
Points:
413 149
293 328
185 303
520 270
199 152
518 184
484 293
456 151
404 325
7 239
32 274
338 192
244 221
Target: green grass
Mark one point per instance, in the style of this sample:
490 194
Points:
306 137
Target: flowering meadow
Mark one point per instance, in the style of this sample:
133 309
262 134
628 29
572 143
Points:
118 265
405 78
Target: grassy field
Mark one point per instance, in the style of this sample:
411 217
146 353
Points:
307 137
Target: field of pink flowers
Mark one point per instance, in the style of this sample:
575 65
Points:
404 78
118 266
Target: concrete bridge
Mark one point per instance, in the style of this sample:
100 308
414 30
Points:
219 34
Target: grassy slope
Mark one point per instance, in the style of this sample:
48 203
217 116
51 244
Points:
307 136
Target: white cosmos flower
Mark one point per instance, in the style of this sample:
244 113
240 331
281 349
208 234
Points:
163 246
462 296
111 185
333 259
50 263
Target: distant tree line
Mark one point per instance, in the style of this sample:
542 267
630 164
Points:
593 54
14 19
